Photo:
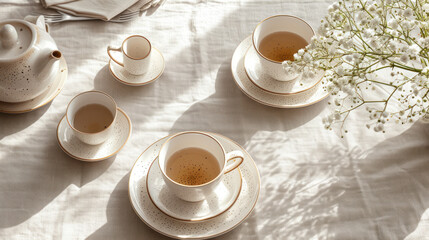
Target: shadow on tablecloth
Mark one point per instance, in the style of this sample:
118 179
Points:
13 123
231 113
345 192
35 183
122 222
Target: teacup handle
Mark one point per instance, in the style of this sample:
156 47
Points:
233 156
109 48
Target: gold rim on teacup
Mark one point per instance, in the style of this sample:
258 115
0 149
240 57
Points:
121 49
209 236
209 182
280 15
191 220
143 83
267 90
93 91
242 81
95 159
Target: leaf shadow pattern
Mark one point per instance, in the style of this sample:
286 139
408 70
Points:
344 192
38 190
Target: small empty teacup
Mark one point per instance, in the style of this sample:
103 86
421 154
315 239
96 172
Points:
194 163
277 39
91 115
136 51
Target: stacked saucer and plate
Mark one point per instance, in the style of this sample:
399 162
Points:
263 79
198 211
32 69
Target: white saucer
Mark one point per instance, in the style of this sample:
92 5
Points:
157 65
221 200
51 92
92 153
210 228
303 99
265 82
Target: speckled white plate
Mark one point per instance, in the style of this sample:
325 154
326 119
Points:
210 228
224 196
157 65
51 92
265 82
303 99
92 153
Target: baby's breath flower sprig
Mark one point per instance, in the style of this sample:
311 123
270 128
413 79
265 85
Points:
375 53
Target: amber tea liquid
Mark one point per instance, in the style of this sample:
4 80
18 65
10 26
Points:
192 166
92 118
281 46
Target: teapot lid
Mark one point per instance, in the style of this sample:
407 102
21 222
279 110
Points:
16 38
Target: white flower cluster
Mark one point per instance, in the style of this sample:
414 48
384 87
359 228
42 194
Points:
368 45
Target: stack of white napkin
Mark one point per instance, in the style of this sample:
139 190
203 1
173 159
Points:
101 9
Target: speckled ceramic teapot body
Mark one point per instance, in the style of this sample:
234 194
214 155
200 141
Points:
29 59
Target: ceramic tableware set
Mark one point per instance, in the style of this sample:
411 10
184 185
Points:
32 69
142 63
265 80
194 212
93 146
33 72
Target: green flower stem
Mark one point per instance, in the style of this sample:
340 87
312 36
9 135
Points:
364 8
346 36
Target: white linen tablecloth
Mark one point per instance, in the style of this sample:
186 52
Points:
315 185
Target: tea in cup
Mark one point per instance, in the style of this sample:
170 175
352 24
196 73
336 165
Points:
194 163
277 39
136 52
91 115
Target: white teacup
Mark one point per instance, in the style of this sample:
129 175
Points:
279 23
136 51
84 99
179 141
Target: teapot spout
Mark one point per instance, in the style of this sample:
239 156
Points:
56 55
51 68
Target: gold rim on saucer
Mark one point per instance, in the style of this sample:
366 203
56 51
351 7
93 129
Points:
191 220
97 159
278 93
210 236
143 83
60 78
239 65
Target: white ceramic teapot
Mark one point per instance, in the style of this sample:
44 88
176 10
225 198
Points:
29 59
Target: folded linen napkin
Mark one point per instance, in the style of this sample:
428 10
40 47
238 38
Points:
101 9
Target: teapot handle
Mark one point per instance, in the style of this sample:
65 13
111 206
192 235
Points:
47 28
39 21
